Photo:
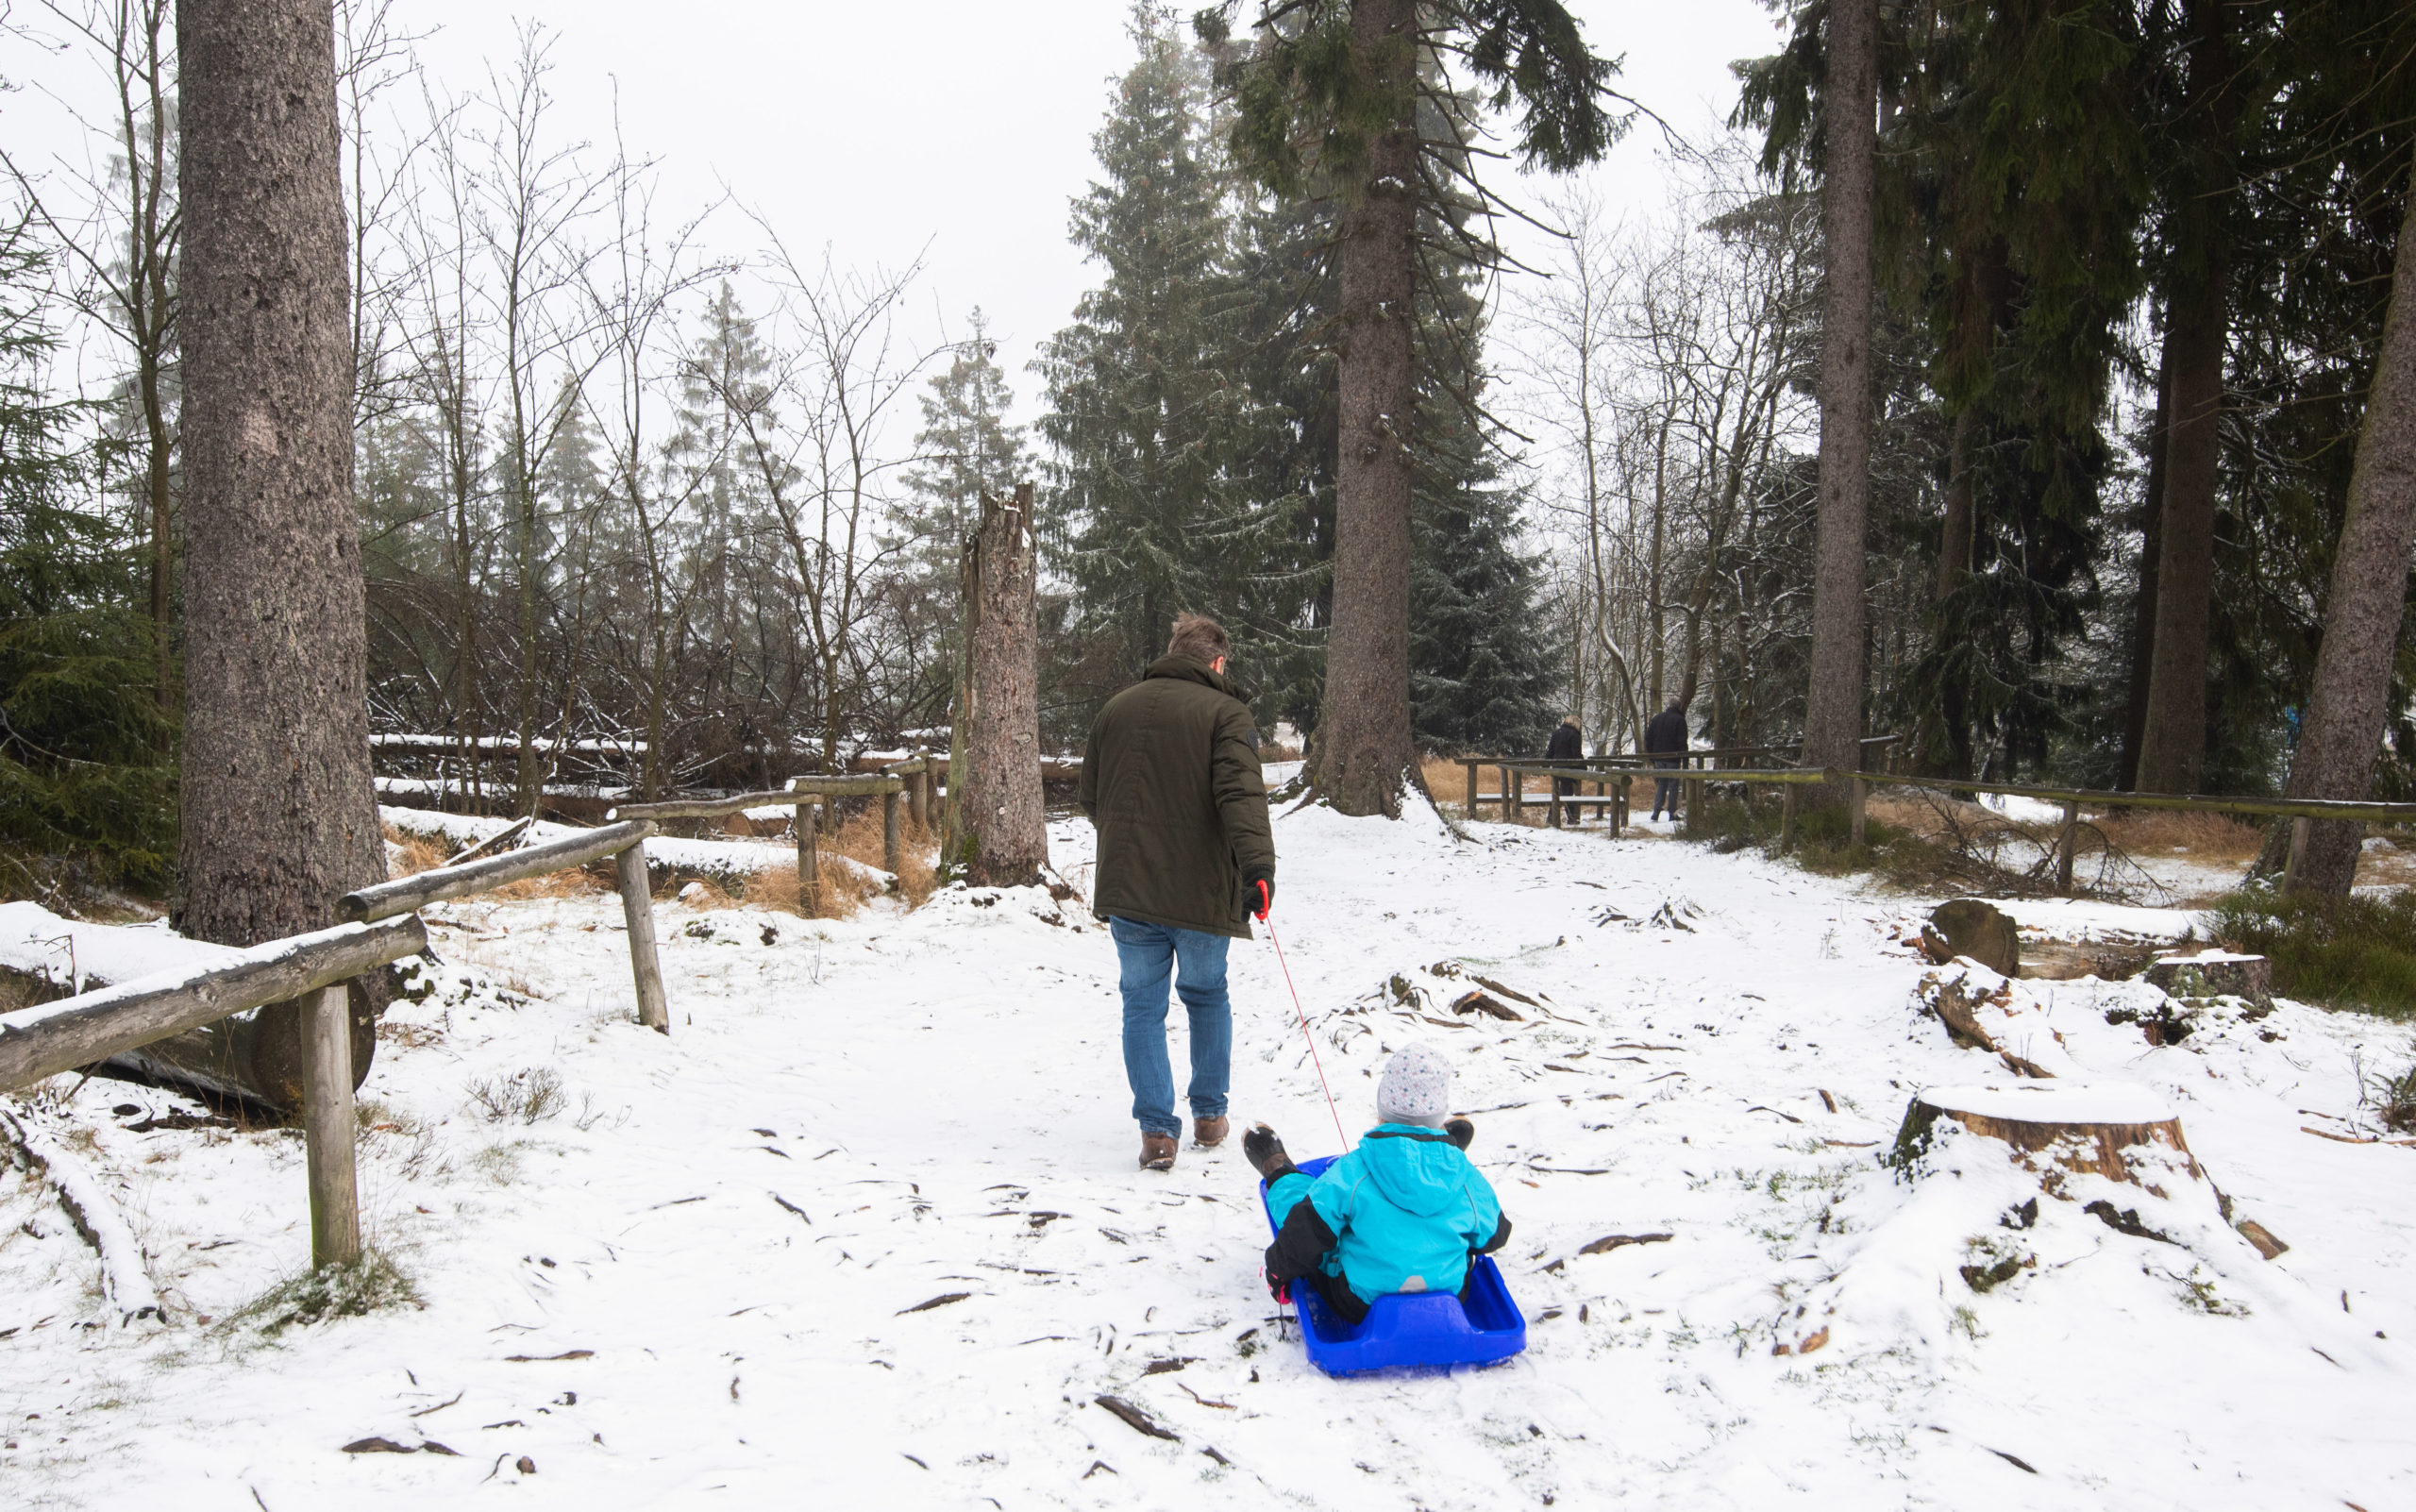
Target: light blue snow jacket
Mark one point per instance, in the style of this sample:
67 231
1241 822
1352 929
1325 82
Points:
1406 1207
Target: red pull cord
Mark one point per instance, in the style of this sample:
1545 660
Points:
1313 1058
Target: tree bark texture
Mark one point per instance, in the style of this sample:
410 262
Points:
1954 565
2349 708
1364 755
2172 738
2135 719
278 818
1006 835
1833 707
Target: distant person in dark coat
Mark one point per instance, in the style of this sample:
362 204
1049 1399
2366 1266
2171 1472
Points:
1665 741
1567 743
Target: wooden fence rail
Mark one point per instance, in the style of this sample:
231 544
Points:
383 926
2300 812
808 795
90 1027
624 842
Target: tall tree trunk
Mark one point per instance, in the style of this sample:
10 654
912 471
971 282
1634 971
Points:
1655 590
1363 756
155 424
2135 719
278 817
2173 740
1954 565
998 765
1832 706
2350 705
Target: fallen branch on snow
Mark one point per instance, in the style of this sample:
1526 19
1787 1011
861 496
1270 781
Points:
126 1275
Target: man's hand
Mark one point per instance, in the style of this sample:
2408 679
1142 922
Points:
1262 887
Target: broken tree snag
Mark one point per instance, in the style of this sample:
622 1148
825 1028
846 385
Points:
2078 1128
1968 926
998 822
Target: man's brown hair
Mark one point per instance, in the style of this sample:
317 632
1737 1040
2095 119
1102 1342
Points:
1200 638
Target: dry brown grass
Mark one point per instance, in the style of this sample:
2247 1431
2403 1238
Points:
1449 781
578 882
419 852
2220 837
422 852
2209 837
844 890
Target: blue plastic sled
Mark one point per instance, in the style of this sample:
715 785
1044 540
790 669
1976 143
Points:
1428 1330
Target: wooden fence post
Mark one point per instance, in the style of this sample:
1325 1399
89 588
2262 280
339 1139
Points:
809 859
919 792
1471 771
1552 805
889 829
637 912
2298 849
1858 810
1787 817
1514 796
328 1127
2064 844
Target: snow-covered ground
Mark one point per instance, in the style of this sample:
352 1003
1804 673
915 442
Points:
866 1229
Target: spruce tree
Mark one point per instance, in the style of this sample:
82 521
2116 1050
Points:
87 780
1144 518
1349 97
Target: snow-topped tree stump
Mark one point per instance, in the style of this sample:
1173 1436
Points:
2077 1128
2213 974
1973 931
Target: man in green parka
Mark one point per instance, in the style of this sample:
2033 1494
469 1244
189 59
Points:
1170 780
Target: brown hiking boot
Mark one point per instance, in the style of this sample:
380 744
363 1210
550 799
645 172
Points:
1157 1152
1210 1133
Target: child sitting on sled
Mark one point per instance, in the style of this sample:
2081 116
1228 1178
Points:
1402 1213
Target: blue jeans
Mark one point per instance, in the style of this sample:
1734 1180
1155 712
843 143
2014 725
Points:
1146 954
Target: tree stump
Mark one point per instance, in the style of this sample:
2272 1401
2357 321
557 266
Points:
2213 974
1970 928
2076 1128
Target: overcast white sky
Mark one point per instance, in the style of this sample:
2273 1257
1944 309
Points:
960 126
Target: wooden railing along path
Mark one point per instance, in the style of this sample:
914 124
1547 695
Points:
1619 769
911 781
382 926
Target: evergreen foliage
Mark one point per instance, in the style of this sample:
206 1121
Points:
87 780
1142 415
1192 413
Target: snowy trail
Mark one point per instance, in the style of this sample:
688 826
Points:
851 1121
